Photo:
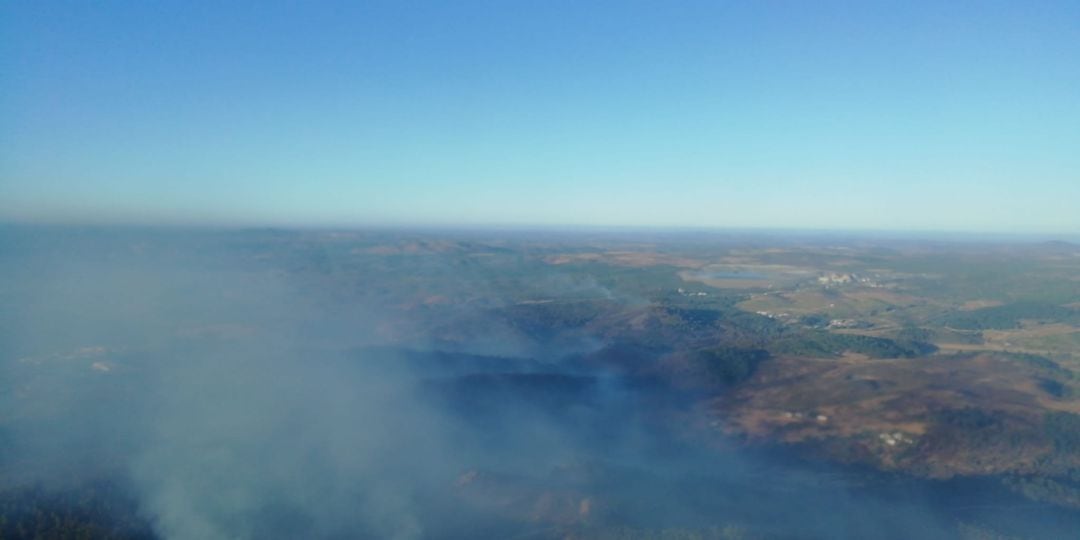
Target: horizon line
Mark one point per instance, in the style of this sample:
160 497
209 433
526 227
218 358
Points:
431 227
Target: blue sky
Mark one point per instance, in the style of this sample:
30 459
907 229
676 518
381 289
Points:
823 115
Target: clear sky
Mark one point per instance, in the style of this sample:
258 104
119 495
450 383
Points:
904 115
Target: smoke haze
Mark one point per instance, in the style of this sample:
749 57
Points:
261 385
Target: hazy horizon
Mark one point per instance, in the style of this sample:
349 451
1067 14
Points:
570 230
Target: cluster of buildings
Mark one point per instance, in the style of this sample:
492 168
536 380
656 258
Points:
834 279
819 418
893 439
685 292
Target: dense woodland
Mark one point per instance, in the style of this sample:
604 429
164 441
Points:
1009 316
90 512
